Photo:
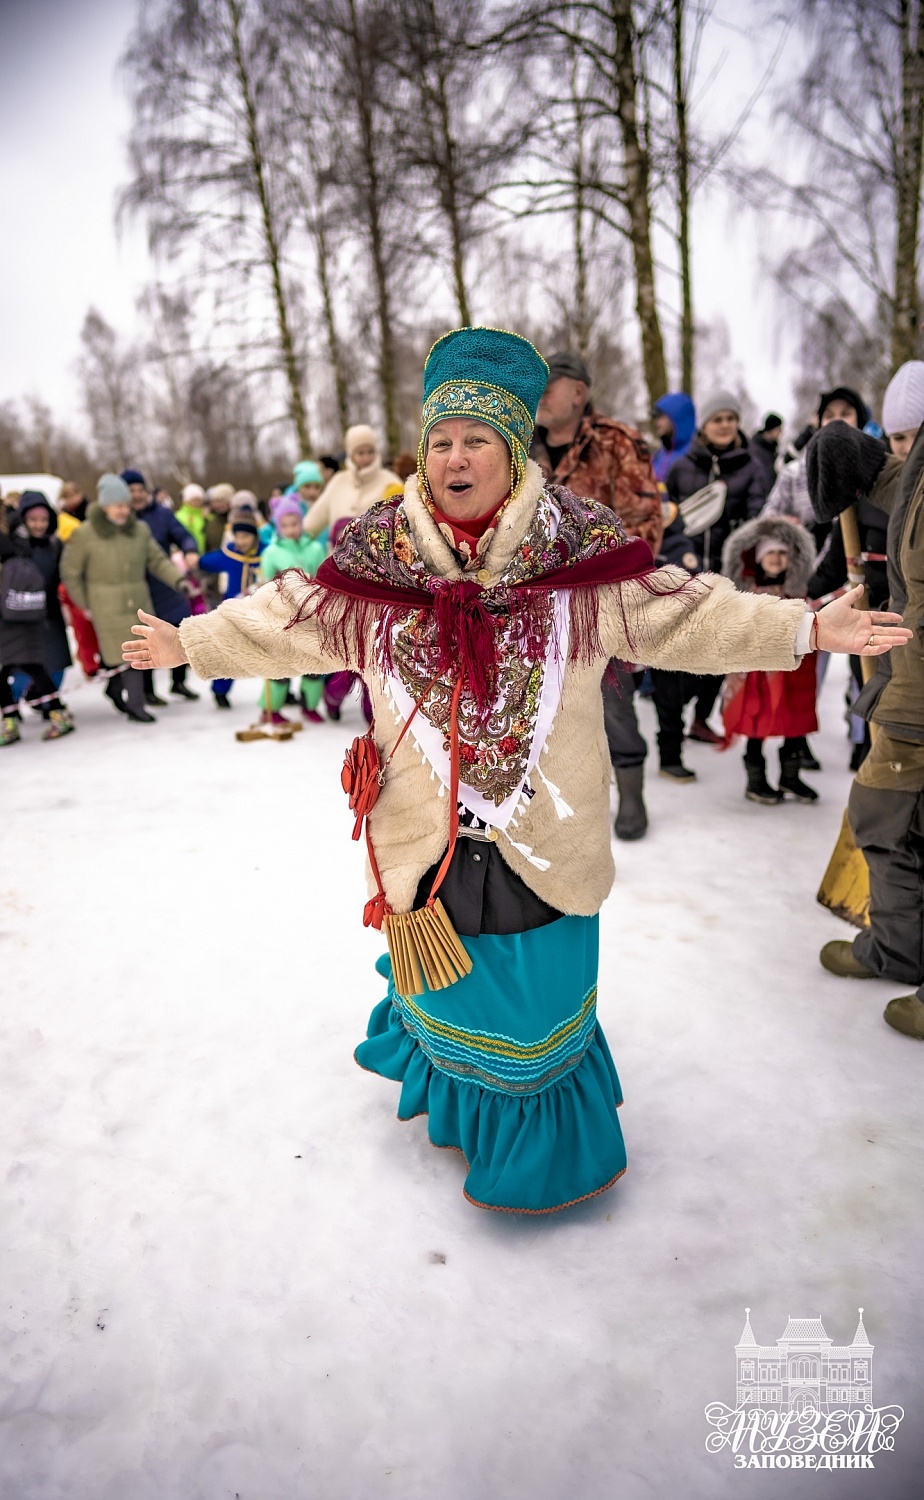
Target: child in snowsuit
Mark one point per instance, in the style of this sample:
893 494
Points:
772 555
293 549
237 562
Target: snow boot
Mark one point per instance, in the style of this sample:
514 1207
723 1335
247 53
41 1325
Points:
678 772
113 690
838 958
60 723
790 780
9 729
221 700
140 716
807 760
180 690
699 730
906 1014
153 701
758 788
631 817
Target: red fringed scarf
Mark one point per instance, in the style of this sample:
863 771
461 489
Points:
354 614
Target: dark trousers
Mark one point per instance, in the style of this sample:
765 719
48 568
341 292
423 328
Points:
40 686
126 689
889 827
627 747
177 678
672 692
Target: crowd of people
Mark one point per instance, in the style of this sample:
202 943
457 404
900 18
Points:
700 490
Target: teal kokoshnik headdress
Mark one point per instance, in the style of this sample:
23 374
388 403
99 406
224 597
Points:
490 376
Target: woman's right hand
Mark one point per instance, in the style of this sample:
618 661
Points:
159 646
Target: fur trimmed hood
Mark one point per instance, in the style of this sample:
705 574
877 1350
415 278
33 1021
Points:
738 561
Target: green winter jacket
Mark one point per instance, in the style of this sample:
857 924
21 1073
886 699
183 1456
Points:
193 518
292 552
103 568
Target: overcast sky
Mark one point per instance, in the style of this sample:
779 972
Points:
63 125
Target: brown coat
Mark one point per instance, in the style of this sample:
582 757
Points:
711 628
610 463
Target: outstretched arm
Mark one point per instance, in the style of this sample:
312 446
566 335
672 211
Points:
242 638
708 626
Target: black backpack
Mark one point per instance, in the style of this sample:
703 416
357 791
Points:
23 600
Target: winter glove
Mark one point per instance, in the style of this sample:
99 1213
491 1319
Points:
841 466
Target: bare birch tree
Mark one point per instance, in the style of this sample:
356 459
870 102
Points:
202 86
859 108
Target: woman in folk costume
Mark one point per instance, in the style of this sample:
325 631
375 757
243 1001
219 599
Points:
481 608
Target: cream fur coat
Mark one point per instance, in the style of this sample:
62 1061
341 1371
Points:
713 630
349 494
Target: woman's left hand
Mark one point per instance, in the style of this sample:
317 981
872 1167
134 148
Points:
858 632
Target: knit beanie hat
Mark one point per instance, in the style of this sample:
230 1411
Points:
245 500
111 490
841 467
770 544
487 375
903 402
133 476
287 505
355 437
221 492
306 472
852 397
718 401
242 520
192 492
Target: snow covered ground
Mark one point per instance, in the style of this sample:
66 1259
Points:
227 1271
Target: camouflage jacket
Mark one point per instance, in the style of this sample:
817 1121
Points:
610 463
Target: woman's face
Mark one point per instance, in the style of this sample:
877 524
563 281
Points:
468 467
721 429
363 456
118 514
901 442
37 521
839 411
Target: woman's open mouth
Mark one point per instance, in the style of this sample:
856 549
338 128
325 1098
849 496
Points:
460 487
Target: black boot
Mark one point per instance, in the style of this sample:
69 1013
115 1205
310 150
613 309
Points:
631 817
113 692
758 788
790 781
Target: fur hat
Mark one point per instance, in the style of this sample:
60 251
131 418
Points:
221 492
903 402
244 500
716 402
192 492
766 534
489 376
112 490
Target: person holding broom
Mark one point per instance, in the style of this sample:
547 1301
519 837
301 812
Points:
481 608
886 806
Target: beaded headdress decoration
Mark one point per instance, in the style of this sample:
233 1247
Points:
488 375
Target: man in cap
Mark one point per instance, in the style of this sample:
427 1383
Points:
604 460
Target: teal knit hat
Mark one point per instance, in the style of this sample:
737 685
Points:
488 375
112 490
306 472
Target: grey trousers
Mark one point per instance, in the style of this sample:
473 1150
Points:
889 827
627 747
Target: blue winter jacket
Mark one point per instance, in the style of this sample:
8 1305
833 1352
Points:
679 409
242 572
168 533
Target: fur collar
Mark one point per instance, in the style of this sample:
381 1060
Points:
514 522
745 538
104 527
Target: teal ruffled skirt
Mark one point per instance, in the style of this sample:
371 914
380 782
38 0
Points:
511 1068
